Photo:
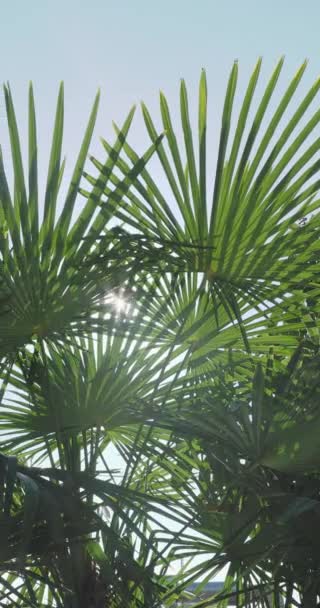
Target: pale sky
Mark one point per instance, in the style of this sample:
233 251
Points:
133 48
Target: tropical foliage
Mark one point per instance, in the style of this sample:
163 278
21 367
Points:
159 348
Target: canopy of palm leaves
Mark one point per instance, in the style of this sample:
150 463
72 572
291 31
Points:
202 386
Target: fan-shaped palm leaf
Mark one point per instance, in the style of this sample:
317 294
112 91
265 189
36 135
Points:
246 247
48 284
250 473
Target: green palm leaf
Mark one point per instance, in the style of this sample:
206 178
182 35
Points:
248 250
49 285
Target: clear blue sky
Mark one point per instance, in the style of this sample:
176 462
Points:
133 48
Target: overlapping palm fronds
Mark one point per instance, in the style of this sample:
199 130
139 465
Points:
248 470
48 284
246 246
176 337
71 536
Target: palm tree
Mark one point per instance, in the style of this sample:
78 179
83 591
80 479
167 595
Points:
187 381
237 296
58 341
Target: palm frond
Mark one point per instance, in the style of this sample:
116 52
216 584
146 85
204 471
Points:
247 248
